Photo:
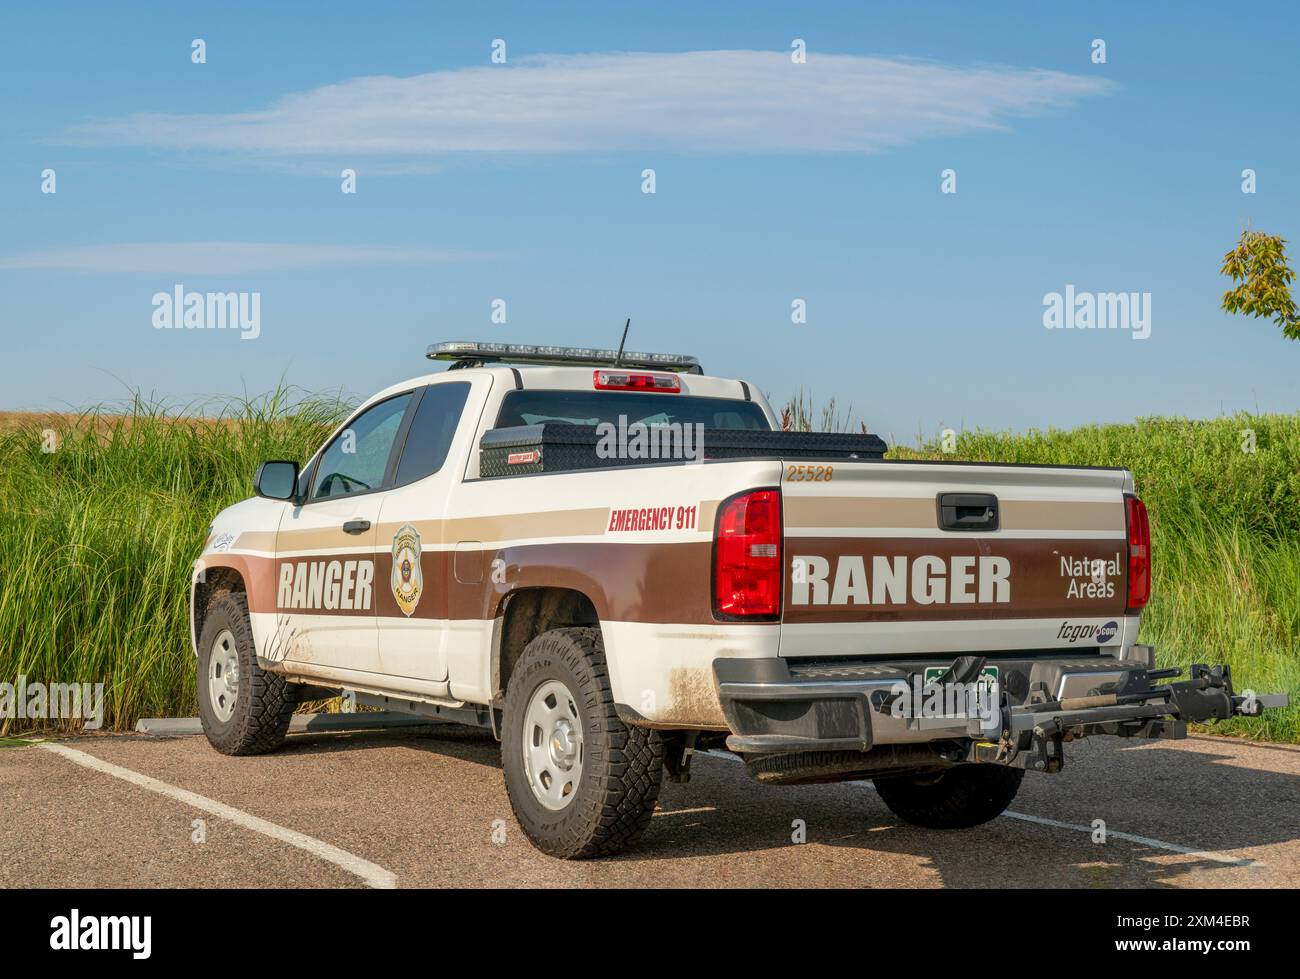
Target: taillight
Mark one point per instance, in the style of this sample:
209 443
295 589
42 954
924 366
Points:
1139 553
629 381
747 556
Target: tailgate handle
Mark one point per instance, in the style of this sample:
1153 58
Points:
968 511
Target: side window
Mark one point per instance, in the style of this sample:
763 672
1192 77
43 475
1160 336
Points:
432 429
357 459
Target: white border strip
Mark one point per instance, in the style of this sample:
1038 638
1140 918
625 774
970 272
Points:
373 874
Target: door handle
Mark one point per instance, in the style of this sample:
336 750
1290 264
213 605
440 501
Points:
968 511
356 526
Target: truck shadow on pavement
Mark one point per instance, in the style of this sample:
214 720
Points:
1204 795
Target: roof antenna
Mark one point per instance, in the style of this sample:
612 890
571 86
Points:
618 359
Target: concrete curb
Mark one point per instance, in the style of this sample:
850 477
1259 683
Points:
175 727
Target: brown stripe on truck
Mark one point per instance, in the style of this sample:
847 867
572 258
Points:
863 579
895 579
629 582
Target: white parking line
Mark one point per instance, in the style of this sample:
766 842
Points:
1191 851
373 874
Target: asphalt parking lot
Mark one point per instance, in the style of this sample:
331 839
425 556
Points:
425 807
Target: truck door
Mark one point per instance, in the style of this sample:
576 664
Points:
412 550
326 573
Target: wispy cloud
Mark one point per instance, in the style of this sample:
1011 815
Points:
225 257
697 101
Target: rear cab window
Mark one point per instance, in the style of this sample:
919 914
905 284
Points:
596 407
433 426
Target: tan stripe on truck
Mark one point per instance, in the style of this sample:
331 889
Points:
865 512
587 522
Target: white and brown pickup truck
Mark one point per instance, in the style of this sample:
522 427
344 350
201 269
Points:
613 561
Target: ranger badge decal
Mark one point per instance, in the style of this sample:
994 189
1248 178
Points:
408 582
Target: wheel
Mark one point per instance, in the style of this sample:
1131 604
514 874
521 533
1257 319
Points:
581 782
959 797
244 709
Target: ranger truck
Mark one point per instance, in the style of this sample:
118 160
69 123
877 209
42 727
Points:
614 561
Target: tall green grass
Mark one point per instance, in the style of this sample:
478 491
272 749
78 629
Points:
97 538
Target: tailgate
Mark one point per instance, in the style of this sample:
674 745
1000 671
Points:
886 558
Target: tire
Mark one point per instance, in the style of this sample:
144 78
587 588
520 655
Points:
607 805
249 715
967 795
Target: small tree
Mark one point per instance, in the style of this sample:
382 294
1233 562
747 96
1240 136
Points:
1258 265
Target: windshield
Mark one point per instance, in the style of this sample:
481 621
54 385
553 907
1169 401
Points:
595 407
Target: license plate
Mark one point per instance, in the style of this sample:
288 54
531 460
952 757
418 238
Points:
986 686
988 675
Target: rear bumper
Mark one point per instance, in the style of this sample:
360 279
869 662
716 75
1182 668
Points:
772 705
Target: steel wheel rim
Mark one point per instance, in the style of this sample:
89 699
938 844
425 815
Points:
223 676
553 748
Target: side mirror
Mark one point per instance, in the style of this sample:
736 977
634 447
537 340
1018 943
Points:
276 480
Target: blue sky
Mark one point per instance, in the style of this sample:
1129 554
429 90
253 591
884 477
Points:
775 181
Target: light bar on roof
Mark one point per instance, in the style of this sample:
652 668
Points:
526 353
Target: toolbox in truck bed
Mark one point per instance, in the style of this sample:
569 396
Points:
564 447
